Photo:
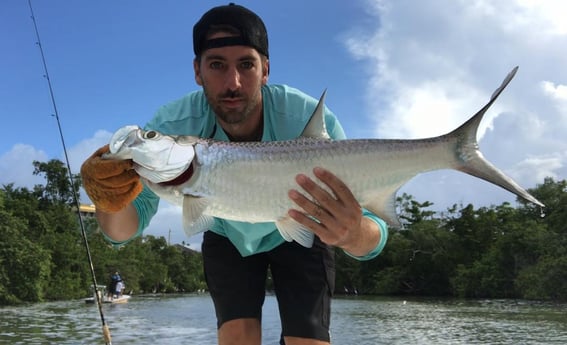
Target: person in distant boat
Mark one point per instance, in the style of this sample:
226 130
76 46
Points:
115 278
119 289
236 103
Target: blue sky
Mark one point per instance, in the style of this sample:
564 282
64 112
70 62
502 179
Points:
393 69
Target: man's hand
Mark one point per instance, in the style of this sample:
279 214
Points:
111 184
339 215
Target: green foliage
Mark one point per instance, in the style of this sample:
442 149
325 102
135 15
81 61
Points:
24 265
57 188
490 252
547 279
43 257
149 265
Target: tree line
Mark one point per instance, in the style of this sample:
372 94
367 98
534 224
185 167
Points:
43 256
488 252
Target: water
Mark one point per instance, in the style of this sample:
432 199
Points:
189 319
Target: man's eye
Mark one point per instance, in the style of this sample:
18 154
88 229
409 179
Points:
216 65
247 65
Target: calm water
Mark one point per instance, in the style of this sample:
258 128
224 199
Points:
189 319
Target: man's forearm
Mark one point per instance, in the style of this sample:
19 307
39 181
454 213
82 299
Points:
119 226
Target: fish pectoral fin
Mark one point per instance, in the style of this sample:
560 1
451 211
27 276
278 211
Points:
293 231
385 208
194 220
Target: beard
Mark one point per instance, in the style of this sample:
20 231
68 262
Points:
233 114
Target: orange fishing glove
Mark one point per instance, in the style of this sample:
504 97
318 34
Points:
111 184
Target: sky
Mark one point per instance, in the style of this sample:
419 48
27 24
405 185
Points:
393 69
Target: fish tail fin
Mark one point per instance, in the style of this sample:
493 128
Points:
471 161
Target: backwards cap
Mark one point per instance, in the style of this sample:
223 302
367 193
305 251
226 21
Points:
251 29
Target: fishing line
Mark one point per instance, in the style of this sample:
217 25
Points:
105 329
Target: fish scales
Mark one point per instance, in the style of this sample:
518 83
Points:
268 170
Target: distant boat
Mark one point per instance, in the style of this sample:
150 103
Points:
105 298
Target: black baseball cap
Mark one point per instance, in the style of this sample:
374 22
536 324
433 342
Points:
248 26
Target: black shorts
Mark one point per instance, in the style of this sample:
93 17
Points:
304 281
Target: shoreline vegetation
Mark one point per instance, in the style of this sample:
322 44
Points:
499 251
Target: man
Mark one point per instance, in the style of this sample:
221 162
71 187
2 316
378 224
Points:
236 103
114 279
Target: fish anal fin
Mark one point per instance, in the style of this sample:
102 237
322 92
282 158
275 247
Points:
293 231
385 208
194 220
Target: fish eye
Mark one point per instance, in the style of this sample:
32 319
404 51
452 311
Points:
150 135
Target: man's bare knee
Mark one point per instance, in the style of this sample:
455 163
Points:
240 331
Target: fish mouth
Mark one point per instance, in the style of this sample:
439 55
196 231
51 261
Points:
184 177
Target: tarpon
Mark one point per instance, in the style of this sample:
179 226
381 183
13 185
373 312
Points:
249 181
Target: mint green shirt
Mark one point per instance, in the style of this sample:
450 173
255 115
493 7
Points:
286 112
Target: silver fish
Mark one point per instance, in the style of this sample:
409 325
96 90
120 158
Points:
249 181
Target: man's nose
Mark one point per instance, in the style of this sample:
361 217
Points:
232 80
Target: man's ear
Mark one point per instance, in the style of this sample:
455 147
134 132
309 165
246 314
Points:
196 68
265 71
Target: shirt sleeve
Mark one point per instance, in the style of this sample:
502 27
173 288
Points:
146 205
383 237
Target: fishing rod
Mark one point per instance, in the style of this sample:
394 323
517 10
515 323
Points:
105 329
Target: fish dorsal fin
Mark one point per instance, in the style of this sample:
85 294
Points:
293 231
194 220
316 128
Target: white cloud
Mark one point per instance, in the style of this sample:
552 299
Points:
432 64
82 150
546 17
428 110
16 166
543 166
557 92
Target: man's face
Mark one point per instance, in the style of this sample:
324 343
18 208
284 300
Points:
231 78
